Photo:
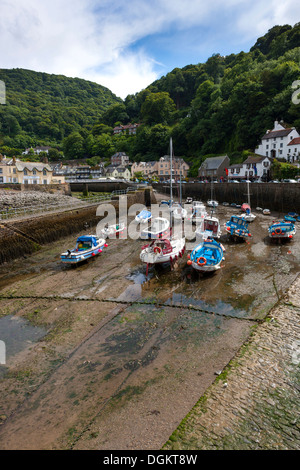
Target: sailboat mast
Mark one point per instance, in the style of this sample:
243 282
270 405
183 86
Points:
171 188
171 169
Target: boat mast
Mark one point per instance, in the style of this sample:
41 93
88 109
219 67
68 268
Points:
180 183
171 188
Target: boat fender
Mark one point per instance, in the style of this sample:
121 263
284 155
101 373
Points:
189 262
201 261
278 231
157 249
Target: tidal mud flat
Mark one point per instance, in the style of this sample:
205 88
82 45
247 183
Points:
118 359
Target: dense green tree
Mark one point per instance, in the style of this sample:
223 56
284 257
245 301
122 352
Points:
73 146
158 108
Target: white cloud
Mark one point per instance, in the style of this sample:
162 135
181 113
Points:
93 39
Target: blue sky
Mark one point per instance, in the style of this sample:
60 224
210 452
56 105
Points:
126 45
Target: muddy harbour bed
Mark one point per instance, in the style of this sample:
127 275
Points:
101 356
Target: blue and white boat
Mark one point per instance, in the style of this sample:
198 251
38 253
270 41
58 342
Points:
282 229
87 246
237 226
143 216
207 256
289 218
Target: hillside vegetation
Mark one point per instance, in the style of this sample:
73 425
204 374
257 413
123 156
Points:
221 106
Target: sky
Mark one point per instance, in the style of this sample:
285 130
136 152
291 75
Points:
127 45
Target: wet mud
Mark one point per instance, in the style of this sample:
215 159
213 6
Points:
117 358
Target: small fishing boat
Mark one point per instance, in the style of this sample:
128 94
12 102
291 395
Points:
247 214
266 211
209 227
282 229
87 246
159 228
293 214
143 216
288 218
163 251
207 256
212 203
237 226
199 212
113 231
179 212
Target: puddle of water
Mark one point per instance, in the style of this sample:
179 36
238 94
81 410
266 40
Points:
18 334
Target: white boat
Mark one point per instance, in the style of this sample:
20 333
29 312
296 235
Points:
246 208
164 250
266 211
143 216
199 212
209 227
87 246
159 228
207 256
282 229
212 203
179 212
114 230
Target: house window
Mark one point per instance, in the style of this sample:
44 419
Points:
267 154
34 181
250 173
274 146
267 146
34 172
1 171
1 179
45 172
25 172
266 164
44 181
14 170
281 145
248 166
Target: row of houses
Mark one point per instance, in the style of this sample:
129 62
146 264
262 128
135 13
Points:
161 169
13 170
219 168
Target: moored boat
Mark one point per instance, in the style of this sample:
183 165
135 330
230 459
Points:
163 251
237 226
207 256
282 229
209 227
143 216
113 231
87 246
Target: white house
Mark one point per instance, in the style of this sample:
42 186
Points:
275 142
294 150
252 168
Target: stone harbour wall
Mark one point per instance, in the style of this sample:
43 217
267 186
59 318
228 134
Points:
254 403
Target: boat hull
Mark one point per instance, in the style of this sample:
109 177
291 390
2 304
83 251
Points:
282 231
148 256
75 257
207 257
